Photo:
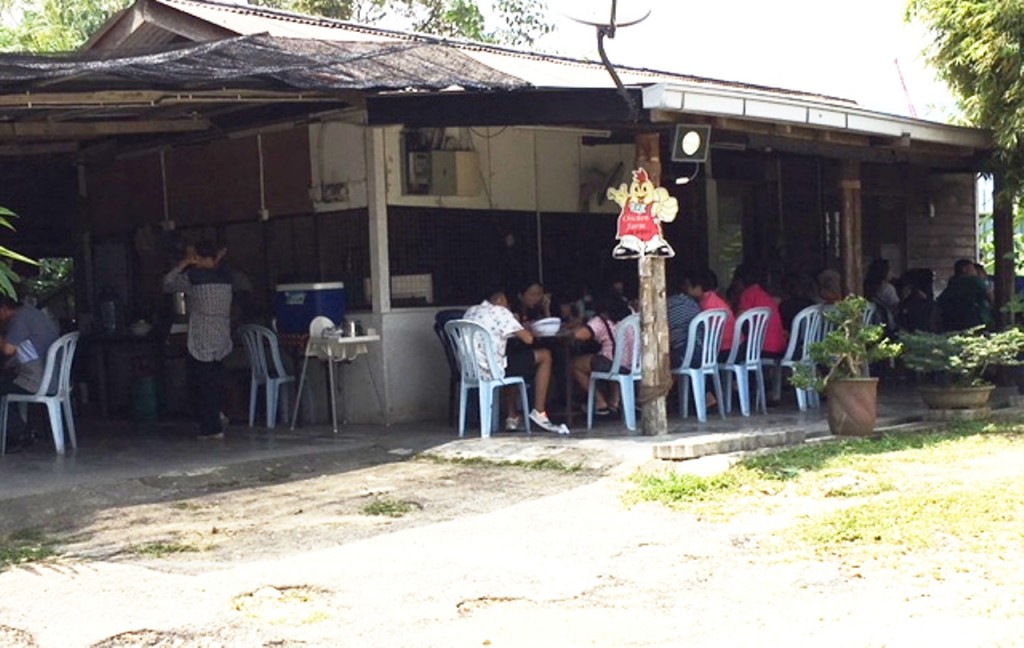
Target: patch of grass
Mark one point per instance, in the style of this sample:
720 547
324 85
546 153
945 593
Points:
841 468
536 464
982 520
388 507
162 549
25 546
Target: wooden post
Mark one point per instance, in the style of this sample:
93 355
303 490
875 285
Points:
656 380
851 250
1002 231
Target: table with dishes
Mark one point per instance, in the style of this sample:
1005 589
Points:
549 334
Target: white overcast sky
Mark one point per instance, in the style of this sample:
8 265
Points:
834 47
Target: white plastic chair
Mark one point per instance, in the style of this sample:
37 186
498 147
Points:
54 392
751 327
471 341
807 328
710 325
627 336
259 343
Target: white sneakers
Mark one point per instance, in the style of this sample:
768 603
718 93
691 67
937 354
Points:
541 419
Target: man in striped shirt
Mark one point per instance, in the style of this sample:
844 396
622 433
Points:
207 284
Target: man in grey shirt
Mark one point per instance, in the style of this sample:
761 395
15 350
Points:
27 337
207 284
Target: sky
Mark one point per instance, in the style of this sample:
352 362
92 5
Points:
833 47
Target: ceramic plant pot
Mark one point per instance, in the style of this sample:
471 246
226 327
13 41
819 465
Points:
852 406
951 397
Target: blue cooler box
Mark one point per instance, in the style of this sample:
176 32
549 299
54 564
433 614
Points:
297 304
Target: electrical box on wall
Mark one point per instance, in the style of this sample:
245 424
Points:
454 173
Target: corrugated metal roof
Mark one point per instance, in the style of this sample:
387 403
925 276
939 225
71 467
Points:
539 70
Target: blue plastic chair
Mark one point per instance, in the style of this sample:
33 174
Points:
259 343
751 327
54 392
710 325
807 328
480 370
627 336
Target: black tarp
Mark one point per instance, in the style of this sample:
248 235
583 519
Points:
259 61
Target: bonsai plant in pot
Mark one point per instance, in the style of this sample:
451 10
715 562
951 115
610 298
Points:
839 370
957 363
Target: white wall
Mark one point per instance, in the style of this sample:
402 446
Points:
521 169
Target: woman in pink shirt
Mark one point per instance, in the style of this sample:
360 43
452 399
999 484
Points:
752 295
703 287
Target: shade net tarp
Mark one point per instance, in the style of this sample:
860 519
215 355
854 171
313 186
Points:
258 61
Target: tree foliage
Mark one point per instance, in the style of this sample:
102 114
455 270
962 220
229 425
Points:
978 49
64 25
8 277
520 22
52 25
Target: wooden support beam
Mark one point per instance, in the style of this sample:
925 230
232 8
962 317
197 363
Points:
850 227
125 98
1002 230
656 380
47 148
84 130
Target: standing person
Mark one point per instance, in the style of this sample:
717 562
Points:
29 333
963 301
208 285
748 278
517 360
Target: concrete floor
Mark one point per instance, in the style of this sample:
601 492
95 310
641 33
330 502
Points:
112 451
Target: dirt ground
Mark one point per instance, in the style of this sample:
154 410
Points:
281 553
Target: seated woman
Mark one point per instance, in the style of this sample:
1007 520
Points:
601 328
532 304
566 310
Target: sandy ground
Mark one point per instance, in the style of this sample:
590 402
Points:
281 555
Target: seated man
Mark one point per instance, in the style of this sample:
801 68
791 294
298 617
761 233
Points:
518 359
964 301
682 308
29 334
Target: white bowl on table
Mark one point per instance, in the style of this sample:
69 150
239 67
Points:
547 327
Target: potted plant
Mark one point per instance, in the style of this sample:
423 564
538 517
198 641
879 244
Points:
839 367
957 362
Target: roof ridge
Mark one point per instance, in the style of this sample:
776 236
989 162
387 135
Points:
321 21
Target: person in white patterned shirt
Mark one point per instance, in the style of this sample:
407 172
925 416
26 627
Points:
207 284
517 359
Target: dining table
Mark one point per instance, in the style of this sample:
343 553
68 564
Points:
564 347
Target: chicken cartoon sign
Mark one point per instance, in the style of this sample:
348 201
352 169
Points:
644 208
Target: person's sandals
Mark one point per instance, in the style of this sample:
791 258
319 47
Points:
513 423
